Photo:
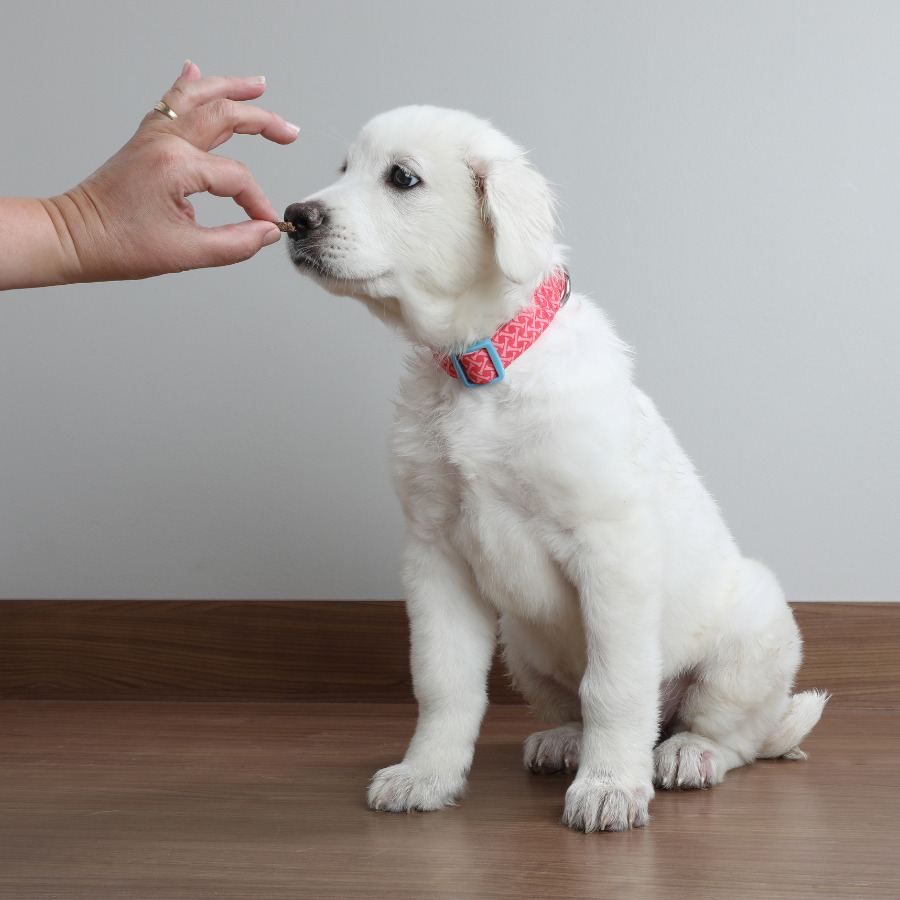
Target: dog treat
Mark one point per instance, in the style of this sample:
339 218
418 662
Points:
286 226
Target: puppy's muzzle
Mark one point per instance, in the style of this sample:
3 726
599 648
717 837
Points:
305 217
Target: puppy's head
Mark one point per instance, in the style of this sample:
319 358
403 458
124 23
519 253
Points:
438 223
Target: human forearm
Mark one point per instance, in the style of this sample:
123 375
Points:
35 247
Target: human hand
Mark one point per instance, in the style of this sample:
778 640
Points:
132 217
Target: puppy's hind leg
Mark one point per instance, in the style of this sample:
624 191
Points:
556 750
740 707
559 749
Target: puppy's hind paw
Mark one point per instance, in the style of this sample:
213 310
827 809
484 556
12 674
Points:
557 750
688 762
404 788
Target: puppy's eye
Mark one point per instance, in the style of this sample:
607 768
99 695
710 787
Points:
403 178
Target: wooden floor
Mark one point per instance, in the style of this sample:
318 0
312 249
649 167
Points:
265 800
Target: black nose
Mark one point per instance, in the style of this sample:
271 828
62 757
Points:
305 216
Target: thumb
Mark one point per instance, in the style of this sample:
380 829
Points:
227 244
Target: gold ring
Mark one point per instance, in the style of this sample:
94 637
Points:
165 109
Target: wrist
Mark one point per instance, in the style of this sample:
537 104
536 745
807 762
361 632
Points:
73 217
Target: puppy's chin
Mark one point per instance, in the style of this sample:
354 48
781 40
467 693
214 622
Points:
339 279
375 290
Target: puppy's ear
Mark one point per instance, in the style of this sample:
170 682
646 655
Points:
517 207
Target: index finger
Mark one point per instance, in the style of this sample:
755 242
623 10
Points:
212 124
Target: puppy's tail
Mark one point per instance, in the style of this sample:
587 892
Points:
803 713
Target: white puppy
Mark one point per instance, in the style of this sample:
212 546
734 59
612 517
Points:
554 501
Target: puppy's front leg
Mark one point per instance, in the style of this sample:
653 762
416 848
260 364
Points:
619 700
453 634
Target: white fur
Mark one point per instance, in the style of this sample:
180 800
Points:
556 503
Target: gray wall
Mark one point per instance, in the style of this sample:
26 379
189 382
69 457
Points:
729 177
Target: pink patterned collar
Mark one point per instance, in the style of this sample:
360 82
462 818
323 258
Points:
485 362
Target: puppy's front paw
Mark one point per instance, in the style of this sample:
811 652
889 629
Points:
598 804
403 788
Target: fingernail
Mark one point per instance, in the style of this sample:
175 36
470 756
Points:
271 237
185 67
294 128
256 79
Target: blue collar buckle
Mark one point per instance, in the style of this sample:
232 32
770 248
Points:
488 346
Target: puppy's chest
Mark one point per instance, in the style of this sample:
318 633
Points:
507 540
494 498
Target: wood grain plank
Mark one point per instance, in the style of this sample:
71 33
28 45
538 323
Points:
853 651
332 651
203 650
266 801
